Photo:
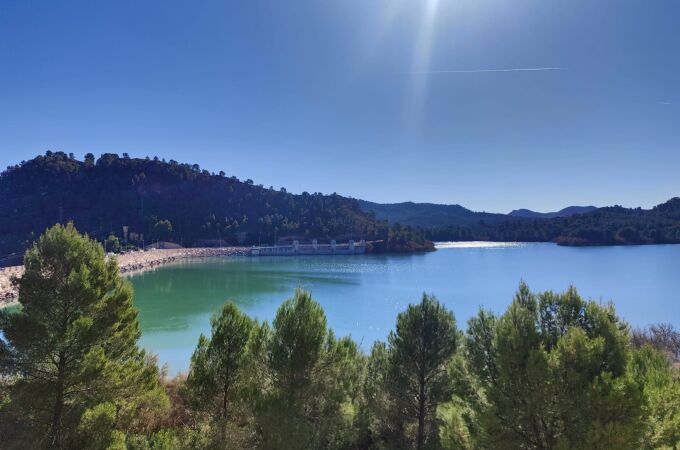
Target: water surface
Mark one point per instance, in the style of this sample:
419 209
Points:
363 294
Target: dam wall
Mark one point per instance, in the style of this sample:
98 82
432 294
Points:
350 248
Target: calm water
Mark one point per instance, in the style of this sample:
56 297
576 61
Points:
363 294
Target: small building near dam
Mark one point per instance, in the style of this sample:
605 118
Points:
350 248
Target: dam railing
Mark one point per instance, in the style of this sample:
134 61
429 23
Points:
296 248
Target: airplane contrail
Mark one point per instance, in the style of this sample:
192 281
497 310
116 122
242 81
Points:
522 69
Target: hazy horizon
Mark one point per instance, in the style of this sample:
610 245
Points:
480 103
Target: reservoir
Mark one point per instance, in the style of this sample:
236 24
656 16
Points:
363 294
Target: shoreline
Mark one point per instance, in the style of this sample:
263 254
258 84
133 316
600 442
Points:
137 261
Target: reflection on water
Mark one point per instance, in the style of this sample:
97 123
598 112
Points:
169 297
363 294
478 244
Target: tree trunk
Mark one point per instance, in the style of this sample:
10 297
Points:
56 429
421 415
224 403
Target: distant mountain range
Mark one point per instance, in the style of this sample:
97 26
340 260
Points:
428 214
432 215
575 225
564 212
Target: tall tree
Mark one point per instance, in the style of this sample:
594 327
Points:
309 376
554 374
217 365
420 351
73 348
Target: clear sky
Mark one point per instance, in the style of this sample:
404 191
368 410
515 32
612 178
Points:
420 100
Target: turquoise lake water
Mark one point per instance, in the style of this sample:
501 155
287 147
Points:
362 295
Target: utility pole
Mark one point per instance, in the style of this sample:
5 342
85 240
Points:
125 236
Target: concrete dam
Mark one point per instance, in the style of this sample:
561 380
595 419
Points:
349 248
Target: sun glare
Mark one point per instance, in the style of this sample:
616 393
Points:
422 53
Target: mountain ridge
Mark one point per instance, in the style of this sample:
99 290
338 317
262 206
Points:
424 214
573 226
427 214
564 212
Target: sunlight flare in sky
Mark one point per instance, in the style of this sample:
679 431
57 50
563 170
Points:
421 63
446 99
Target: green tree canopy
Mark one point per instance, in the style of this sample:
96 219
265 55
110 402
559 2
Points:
554 374
311 379
409 378
73 350
217 365
660 382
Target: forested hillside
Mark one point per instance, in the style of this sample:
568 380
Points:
604 226
575 225
173 201
428 215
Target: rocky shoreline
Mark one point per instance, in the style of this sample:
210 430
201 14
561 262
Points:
128 262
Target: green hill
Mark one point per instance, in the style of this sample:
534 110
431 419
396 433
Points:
104 195
614 225
428 215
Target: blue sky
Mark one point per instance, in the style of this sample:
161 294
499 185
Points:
382 100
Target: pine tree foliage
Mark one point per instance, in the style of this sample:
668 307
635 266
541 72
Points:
307 400
217 366
412 370
73 349
554 374
660 382
218 381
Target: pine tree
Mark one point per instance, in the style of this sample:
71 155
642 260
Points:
77 370
309 376
217 365
420 351
554 374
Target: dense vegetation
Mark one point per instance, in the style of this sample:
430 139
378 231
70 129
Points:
552 372
602 226
75 375
429 215
172 201
605 226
